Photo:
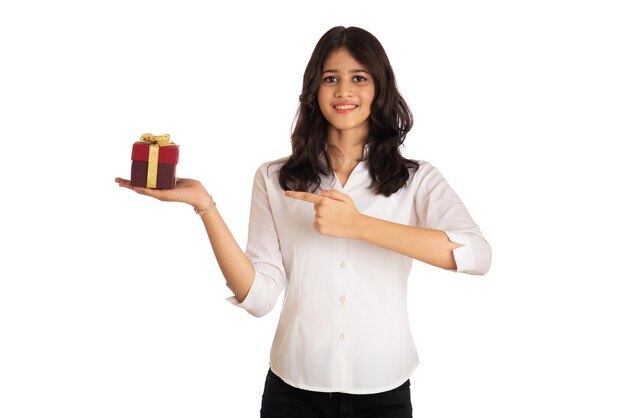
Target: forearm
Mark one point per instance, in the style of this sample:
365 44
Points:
236 267
426 245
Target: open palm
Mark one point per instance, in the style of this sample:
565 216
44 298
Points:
186 191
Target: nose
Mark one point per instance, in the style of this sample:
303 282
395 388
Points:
344 89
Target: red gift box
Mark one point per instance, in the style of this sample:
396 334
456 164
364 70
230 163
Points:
154 162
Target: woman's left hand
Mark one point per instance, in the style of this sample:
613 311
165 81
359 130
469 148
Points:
335 213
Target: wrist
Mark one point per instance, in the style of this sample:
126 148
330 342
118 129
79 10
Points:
360 227
202 203
207 209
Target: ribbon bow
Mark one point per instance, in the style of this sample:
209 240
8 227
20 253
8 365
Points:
160 140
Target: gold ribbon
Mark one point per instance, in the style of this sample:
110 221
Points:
156 142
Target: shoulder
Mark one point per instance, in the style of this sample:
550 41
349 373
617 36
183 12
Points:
271 168
426 175
423 167
268 172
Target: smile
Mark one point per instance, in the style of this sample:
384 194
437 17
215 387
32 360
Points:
344 108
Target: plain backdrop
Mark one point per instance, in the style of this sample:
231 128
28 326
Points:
112 305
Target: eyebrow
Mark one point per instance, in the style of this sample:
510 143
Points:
351 71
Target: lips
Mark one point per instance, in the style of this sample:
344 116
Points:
344 107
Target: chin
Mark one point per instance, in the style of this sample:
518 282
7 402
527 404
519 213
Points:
347 126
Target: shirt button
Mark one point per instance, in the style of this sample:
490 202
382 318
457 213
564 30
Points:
342 299
342 336
342 265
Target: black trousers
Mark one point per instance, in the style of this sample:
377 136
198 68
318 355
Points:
281 400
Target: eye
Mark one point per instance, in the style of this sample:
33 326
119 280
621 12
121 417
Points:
359 78
330 79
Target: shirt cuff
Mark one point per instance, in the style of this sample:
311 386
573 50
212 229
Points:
469 256
256 302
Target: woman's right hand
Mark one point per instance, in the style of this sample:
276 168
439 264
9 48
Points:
187 191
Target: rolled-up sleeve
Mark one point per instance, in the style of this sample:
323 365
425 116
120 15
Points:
263 250
438 207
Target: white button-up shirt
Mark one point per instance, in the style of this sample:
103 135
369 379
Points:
344 325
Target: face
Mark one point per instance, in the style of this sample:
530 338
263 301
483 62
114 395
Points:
346 93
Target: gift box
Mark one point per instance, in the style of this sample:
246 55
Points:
154 162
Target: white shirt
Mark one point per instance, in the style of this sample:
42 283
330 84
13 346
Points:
344 325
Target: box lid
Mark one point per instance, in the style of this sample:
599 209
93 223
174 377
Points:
167 155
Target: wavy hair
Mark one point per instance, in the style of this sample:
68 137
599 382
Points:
389 122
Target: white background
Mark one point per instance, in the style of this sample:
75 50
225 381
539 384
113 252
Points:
112 305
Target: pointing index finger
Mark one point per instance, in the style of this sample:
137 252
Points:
307 197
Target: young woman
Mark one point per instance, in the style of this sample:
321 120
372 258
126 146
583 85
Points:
336 225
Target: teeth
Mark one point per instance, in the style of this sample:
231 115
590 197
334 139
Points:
345 107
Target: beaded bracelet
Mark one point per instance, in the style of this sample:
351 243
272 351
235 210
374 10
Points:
205 210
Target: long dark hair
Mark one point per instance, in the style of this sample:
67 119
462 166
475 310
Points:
389 122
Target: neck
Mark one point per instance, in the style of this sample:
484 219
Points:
346 147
